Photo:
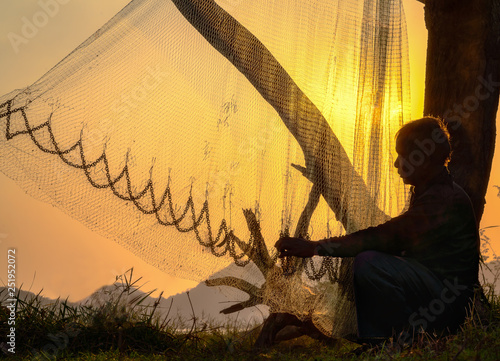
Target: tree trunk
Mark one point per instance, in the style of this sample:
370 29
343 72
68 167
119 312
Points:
462 85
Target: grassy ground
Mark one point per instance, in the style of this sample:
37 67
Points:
123 329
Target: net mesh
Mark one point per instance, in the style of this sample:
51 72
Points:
196 133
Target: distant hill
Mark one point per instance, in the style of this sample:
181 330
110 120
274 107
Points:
207 302
27 296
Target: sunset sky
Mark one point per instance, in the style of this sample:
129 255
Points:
60 255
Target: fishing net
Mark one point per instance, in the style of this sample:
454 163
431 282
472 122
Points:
196 133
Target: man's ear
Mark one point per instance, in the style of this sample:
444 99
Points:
432 165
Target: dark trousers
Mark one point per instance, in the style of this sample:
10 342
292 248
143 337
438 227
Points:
396 294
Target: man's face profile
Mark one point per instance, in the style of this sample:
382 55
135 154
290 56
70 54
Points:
414 165
405 169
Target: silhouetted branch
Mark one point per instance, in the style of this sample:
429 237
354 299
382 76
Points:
259 251
238 283
327 163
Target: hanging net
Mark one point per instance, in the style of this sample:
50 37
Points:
195 133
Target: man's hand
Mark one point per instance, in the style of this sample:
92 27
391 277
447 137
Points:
298 247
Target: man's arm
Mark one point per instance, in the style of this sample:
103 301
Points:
423 223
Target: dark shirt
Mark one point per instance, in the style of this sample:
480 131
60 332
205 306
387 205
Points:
438 230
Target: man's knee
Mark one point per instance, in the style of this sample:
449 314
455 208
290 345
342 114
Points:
365 262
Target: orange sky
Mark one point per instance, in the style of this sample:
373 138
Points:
59 254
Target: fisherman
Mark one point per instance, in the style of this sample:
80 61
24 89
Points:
418 271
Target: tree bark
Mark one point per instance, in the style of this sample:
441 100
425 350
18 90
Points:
462 85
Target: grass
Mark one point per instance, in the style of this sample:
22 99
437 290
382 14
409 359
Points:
123 328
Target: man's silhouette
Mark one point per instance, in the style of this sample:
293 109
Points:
418 271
